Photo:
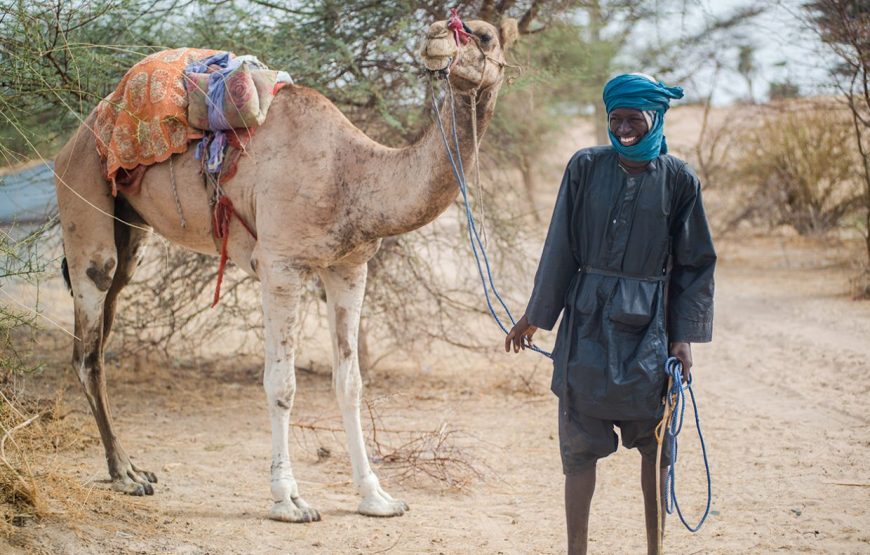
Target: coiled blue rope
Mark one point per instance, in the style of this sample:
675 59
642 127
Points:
473 236
677 395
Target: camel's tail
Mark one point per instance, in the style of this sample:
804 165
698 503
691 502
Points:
64 269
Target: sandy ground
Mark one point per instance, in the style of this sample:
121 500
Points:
783 392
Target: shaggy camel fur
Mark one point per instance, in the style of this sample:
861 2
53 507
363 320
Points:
321 195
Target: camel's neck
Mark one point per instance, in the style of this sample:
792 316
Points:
417 183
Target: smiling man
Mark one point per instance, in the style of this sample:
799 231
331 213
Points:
630 260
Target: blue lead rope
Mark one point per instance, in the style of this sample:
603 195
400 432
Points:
473 236
677 395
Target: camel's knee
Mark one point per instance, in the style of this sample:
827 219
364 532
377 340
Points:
90 286
280 386
101 272
348 384
86 359
90 277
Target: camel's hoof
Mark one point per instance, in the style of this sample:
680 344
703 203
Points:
376 505
294 510
135 481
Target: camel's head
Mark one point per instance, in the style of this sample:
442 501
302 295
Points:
477 59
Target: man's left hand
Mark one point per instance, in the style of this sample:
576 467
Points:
683 351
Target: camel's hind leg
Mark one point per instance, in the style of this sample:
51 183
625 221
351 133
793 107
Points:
98 269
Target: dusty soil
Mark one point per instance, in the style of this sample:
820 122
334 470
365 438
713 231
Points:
783 392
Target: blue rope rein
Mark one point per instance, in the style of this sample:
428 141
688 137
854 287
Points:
676 397
477 246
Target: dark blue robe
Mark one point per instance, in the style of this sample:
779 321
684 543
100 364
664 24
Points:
617 242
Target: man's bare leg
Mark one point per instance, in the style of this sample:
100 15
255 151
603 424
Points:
578 500
648 485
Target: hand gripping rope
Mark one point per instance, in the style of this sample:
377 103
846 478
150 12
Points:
670 426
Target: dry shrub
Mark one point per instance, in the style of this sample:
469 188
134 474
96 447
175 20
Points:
34 486
168 305
422 289
861 284
428 456
800 166
28 429
418 455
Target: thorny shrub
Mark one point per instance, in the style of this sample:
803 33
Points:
800 166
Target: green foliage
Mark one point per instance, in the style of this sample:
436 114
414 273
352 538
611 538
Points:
360 54
20 261
59 58
559 81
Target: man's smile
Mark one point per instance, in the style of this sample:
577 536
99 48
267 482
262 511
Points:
630 140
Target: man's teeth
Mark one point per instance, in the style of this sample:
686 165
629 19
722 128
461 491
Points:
627 141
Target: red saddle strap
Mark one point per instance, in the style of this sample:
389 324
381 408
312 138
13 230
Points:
223 213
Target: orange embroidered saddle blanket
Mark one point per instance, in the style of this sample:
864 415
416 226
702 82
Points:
157 109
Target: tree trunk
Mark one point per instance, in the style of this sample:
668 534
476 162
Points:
529 186
596 23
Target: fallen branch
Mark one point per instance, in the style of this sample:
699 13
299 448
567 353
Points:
411 453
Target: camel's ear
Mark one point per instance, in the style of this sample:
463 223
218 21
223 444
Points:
508 32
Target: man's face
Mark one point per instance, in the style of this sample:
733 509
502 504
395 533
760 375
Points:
628 125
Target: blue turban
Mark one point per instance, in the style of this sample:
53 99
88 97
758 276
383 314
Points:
641 92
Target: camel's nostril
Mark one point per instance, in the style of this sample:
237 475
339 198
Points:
436 63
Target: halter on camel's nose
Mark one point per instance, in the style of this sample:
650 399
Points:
440 47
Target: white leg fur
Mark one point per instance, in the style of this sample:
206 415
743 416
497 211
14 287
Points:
281 290
345 289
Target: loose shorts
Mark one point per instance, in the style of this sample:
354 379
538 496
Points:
584 439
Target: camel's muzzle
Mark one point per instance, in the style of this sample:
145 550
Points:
440 49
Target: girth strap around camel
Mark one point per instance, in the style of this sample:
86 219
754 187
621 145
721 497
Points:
173 97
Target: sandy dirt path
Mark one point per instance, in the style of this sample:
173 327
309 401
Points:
783 391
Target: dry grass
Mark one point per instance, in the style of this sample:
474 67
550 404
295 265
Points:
20 498
34 486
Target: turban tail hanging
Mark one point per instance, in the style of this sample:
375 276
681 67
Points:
641 93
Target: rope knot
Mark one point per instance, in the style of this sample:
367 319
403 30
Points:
461 32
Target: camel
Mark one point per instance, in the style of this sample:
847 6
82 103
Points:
321 196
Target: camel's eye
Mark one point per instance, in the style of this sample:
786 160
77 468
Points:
485 38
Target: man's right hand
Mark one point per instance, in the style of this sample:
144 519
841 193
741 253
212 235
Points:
522 330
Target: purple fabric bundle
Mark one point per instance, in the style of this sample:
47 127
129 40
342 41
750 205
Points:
217 122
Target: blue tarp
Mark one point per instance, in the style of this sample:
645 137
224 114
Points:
28 195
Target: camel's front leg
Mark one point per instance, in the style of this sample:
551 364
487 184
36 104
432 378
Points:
345 288
281 289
